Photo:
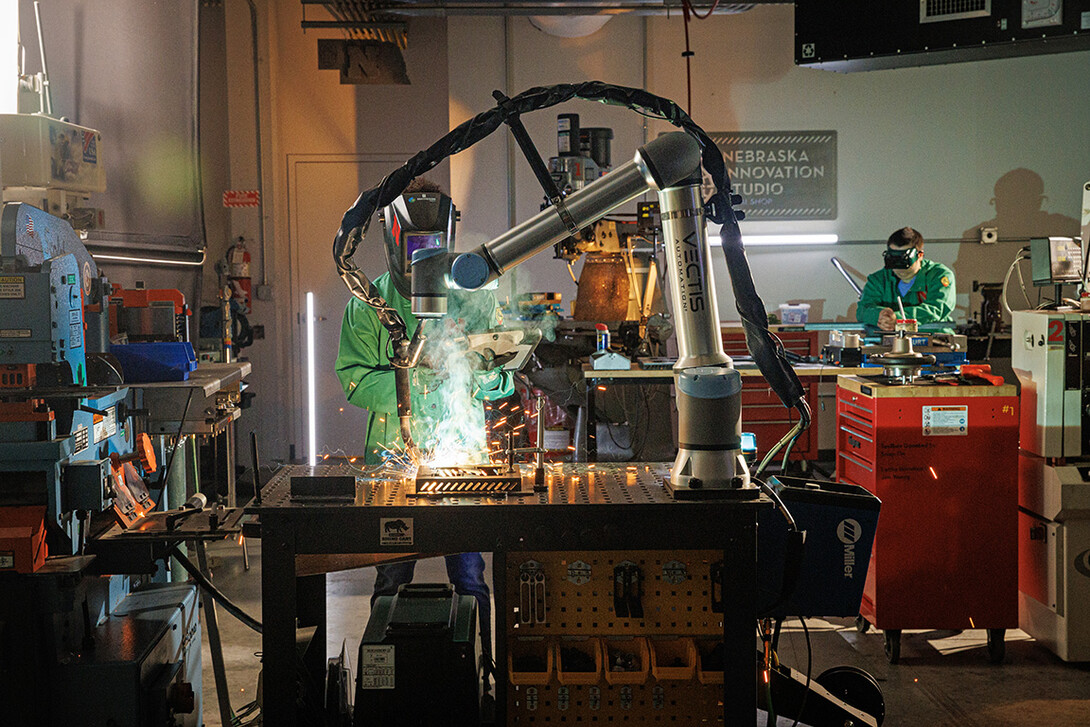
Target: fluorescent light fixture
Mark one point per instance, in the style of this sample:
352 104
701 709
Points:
150 260
312 425
770 240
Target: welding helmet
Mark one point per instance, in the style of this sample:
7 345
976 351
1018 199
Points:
901 259
416 221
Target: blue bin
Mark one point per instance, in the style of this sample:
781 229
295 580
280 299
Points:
840 522
143 363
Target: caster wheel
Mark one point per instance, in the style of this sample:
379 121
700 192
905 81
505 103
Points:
857 688
893 645
862 625
997 647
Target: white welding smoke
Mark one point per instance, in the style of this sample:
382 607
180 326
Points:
450 415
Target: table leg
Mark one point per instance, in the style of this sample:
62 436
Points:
592 422
499 595
739 617
279 661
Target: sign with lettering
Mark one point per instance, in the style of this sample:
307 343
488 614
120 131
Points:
782 175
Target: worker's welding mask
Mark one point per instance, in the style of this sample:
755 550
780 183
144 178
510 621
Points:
416 221
901 259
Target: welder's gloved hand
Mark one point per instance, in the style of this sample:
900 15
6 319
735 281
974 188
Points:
492 384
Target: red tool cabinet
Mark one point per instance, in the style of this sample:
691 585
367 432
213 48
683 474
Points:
944 462
762 411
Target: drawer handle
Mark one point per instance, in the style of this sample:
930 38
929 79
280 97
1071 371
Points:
854 461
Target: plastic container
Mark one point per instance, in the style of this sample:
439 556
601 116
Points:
148 362
704 652
591 648
635 648
794 314
673 659
537 649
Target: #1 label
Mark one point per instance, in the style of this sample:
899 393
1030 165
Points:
376 667
945 421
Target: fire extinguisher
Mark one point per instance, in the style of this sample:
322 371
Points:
238 274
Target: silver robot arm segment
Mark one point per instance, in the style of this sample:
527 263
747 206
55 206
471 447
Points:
709 389
660 164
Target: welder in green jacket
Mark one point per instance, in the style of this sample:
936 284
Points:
363 365
447 395
926 288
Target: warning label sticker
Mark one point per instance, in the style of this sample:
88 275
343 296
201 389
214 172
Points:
376 667
395 531
944 421
106 426
12 287
7 559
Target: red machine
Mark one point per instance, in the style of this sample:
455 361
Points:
944 462
762 411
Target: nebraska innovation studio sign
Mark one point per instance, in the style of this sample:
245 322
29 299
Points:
782 175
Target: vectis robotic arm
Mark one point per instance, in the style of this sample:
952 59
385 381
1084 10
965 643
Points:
668 165
709 410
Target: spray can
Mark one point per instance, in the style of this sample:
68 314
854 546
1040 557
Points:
603 337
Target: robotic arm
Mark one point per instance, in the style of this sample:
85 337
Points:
666 165
709 453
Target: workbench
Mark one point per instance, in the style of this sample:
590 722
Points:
586 507
762 411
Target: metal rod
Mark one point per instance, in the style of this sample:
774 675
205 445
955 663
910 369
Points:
47 89
215 644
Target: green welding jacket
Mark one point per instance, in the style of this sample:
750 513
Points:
367 377
930 299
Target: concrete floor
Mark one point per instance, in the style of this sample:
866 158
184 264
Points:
944 678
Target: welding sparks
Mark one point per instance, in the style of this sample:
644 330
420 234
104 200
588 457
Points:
933 472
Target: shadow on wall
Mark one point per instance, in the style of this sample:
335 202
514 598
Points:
1019 200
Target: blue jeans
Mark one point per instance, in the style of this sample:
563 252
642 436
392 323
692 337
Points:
465 571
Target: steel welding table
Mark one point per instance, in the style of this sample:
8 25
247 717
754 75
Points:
588 507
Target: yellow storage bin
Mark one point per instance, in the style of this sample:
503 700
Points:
631 655
526 653
704 653
578 661
673 659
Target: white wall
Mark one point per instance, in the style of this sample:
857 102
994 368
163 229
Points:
920 146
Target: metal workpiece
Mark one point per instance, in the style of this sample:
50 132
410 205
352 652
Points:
689 272
664 161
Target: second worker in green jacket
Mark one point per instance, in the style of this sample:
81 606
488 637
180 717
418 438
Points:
926 288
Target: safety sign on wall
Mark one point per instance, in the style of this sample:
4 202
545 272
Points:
782 175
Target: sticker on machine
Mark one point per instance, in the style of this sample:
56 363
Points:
395 531
13 287
376 667
945 421
105 425
82 439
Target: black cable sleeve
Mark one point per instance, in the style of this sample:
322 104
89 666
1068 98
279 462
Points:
764 347
216 594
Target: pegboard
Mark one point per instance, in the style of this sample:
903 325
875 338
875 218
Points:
652 703
579 598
